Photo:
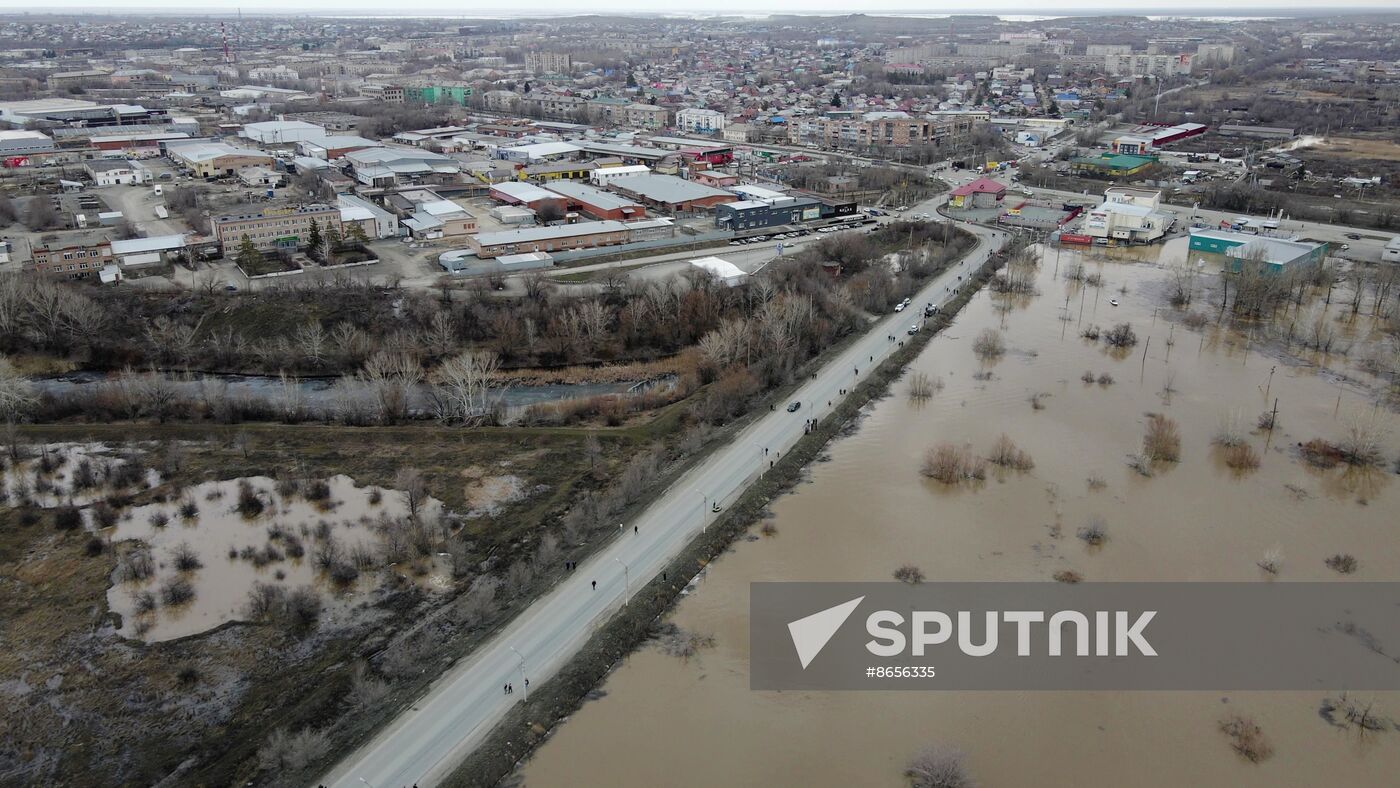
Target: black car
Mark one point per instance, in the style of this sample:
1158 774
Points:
1354 236
792 407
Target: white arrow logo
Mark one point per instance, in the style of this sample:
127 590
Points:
810 634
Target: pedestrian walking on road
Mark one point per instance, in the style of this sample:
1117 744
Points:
636 529
595 585
505 689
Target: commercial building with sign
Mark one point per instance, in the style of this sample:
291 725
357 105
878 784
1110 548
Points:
285 228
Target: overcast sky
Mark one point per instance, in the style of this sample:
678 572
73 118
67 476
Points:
537 7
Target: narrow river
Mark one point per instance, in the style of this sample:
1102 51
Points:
867 510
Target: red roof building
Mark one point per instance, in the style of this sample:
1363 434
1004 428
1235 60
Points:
981 193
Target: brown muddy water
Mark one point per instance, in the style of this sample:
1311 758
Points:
866 511
219 534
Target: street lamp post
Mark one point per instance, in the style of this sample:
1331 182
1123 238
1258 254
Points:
626 579
523 678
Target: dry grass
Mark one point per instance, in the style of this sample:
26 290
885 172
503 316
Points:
1007 454
1068 577
950 464
1162 443
1246 738
938 767
1242 457
1342 563
923 385
1095 533
910 574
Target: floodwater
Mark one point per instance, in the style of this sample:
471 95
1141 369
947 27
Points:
219 534
867 511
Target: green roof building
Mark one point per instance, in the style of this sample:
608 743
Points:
1111 165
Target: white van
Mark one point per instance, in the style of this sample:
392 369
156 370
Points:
159 191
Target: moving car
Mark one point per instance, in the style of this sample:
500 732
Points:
792 407
914 329
1354 236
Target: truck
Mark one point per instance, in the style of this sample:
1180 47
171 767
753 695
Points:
161 212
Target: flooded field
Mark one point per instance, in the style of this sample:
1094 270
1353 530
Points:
1079 410
221 544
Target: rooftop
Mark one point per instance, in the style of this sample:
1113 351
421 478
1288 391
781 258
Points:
667 188
587 194
533 234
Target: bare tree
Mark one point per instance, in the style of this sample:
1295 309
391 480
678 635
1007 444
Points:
16 392
463 391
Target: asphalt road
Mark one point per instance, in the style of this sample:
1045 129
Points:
442 727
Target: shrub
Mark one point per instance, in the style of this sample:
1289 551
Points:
989 344
1037 400
185 558
1230 433
1068 576
159 519
1105 379
1320 454
922 385
1095 533
292 752
1267 420
1096 483
135 564
1272 562
249 503
1120 335
189 510
950 464
1007 454
1195 320
176 591
938 767
318 491
1162 443
187 676
145 602
1342 563
1242 457
1091 332
1246 738
910 574
67 518
1087 377
95 546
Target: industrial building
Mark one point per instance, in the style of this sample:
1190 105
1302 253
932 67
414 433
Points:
671 193
1278 254
581 235
281 132
375 221
23 143
1111 165
332 147
525 194
111 172
72 261
596 203
213 159
606 175
274 228
382 167
431 216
